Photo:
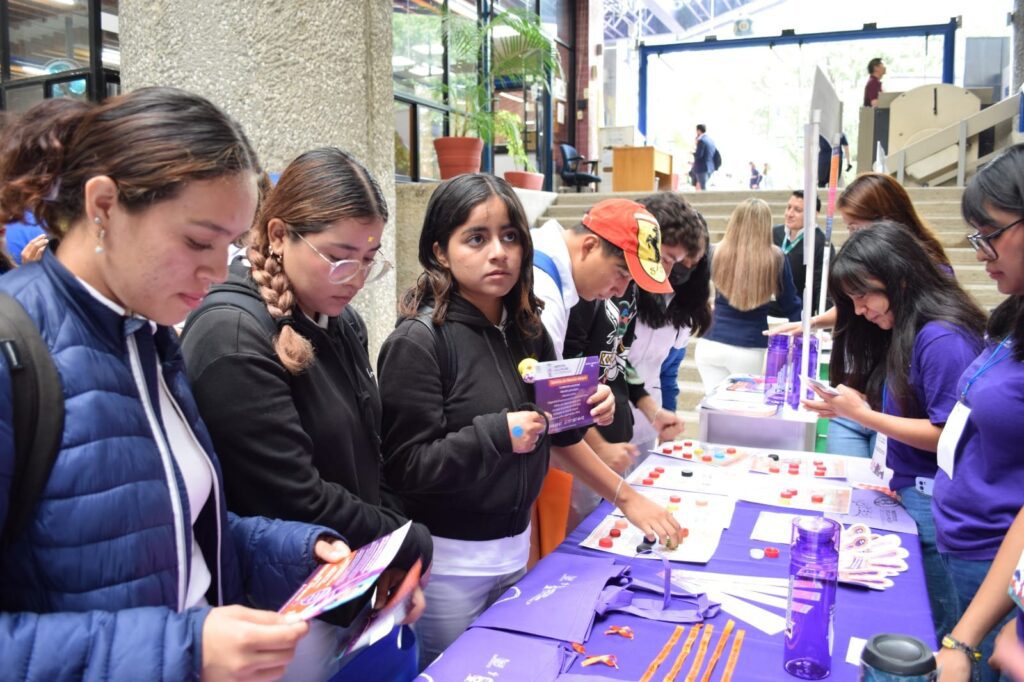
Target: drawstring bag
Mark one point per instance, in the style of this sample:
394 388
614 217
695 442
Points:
485 655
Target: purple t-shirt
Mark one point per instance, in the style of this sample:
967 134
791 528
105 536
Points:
941 353
973 515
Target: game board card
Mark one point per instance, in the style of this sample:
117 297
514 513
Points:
680 476
690 508
801 493
705 453
792 464
617 535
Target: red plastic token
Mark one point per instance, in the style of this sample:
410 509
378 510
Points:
730 451
660 470
677 447
675 499
688 443
773 470
819 462
819 472
654 474
792 491
648 481
706 458
817 498
687 455
667 450
785 494
771 552
605 542
614 532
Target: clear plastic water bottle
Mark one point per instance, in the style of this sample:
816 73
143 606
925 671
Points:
775 370
813 573
794 370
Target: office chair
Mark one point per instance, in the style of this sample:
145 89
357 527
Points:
571 174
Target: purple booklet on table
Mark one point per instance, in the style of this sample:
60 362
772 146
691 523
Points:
562 389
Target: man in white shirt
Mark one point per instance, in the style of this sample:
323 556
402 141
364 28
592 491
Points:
617 241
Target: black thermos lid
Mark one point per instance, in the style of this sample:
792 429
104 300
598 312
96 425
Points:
898 654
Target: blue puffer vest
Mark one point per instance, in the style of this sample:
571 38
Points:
94 587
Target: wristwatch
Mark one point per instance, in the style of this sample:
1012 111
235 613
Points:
949 642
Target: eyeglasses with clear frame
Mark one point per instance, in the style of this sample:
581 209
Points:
345 270
983 242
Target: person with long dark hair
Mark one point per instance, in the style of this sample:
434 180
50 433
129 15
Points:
905 332
978 501
128 564
665 322
465 446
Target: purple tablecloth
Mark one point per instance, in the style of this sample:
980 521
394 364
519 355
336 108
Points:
859 612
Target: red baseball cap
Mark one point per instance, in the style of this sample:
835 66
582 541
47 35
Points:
632 228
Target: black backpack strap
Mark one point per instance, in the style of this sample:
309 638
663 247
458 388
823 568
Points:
38 401
234 295
443 348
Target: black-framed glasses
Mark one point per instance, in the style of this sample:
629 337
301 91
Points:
983 242
344 270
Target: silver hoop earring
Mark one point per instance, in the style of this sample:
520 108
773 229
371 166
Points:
99 236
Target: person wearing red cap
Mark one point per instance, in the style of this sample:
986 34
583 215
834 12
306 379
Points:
618 241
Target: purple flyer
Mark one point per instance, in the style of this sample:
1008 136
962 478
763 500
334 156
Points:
562 389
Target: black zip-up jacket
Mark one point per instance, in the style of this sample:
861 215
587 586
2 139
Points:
450 457
300 447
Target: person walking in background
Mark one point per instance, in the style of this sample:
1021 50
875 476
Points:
703 158
752 281
755 176
873 88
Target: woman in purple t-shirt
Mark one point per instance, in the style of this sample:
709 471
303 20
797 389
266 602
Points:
905 333
978 501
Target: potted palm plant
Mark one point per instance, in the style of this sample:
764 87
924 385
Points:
510 127
520 53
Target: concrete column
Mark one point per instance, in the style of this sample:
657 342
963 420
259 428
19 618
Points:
297 75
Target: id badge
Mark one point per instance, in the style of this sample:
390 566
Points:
1016 590
950 437
879 458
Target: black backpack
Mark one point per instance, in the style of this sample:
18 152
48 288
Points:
38 402
717 159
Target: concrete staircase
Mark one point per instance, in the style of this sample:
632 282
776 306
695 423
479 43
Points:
940 208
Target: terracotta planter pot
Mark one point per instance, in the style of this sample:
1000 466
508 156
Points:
525 180
458 155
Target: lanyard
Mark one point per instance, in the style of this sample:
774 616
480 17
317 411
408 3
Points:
788 246
993 360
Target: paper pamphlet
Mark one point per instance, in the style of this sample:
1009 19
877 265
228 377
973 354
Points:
332 585
876 510
562 388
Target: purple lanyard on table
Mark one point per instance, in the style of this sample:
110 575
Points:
992 361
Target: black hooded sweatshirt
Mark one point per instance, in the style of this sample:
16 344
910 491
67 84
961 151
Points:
448 453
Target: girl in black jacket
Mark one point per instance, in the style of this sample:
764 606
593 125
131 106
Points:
278 362
464 446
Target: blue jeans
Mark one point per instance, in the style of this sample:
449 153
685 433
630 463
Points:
847 437
941 591
967 577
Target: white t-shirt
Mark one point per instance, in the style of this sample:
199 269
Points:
646 355
557 303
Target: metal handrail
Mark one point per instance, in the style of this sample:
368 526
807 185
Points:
961 135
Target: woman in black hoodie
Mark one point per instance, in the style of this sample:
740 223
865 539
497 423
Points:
464 445
279 367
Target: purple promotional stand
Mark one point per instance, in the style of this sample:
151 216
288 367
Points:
860 613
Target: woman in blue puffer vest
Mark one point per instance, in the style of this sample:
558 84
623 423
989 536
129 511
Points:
130 560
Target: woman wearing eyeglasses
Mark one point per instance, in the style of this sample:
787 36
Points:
278 361
981 492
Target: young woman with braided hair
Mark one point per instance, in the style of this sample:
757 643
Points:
278 361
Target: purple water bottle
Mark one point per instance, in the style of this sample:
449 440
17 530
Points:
794 370
775 370
813 572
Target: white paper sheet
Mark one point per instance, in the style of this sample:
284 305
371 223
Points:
878 511
774 527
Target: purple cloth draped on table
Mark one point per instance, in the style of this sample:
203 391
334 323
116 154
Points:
482 655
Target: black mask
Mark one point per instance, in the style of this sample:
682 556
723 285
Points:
679 275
